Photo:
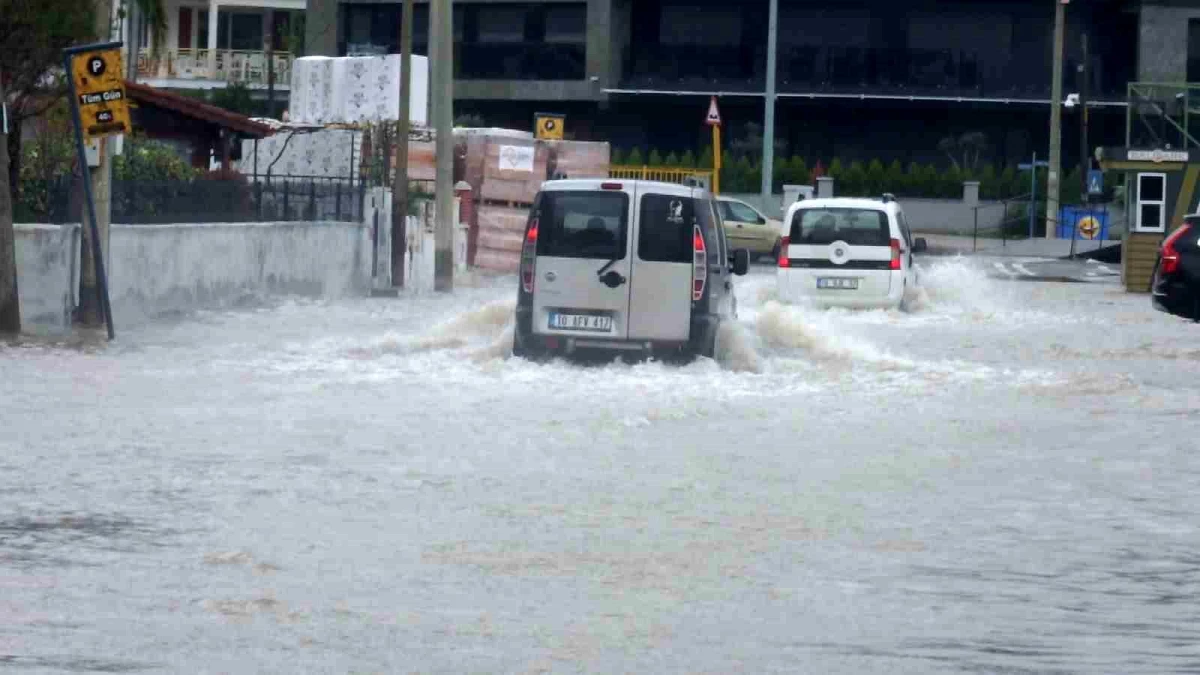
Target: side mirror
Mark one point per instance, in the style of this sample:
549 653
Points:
919 245
741 261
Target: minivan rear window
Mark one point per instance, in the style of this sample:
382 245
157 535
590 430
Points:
857 227
665 228
582 224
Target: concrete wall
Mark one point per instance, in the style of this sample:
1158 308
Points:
166 269
47 275
1163 42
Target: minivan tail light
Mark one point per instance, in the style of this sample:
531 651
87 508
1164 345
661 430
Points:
1170 255
529 256
699 263
895 264
611 186
783 252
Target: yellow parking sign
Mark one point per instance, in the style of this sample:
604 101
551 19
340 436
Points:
98 83
549 127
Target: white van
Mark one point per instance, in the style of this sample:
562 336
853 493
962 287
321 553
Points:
844 252
624 266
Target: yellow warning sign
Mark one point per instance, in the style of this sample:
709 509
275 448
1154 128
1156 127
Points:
1089 227
98 81
548 127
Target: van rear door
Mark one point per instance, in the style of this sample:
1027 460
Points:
582 273
840 251
660 304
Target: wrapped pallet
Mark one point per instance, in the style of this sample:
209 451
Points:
514 170
579 159
501 235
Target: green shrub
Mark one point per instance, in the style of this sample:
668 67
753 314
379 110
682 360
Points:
853 181
672 160
688 161
655 159
616 157
635 157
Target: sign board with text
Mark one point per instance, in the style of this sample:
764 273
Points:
548 126
98 85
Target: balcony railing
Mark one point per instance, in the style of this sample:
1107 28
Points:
229 65
857 70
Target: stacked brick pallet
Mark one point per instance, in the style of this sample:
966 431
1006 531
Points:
505 170
507 180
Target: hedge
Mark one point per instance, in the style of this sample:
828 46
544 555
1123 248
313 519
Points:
742 174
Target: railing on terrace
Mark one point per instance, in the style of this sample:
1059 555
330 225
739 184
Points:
233 66
217 200
660 173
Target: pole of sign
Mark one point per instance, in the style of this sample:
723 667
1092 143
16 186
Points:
714 120
1032 194
97 248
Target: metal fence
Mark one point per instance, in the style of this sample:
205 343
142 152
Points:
218 200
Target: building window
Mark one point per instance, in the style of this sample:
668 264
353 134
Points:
566 23
1193 51
1151 202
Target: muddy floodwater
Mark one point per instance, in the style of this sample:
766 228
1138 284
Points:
1005 480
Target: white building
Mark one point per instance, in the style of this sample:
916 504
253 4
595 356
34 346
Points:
211 44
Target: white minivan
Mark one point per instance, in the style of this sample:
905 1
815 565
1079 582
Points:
630 267
843 252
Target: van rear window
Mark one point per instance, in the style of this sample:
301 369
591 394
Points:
582 224
857 227
665 227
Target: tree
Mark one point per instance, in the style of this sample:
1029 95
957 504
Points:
33 34
964 151
748 142
10 311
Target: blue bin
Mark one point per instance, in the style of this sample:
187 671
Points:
1070 218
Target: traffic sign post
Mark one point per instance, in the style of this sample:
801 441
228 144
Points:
1095 182
96 82
548 126
713 119
1032 168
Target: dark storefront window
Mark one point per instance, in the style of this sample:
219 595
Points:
501 41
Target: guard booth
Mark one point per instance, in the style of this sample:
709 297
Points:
1160 191
1160 162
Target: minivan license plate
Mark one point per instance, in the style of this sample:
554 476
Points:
838 283
588 323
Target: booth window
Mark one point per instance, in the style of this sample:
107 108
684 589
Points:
1151 202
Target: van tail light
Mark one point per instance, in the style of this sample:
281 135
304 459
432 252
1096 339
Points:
895 264
1170 255
699 263
529 256
783 252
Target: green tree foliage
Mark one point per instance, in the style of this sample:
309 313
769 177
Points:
672 160
655 158
688 161
33 34
150 160
635 157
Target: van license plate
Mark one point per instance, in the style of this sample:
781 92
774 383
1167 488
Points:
588 323
838 283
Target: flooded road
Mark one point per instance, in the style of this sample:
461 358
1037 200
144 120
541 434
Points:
1003 481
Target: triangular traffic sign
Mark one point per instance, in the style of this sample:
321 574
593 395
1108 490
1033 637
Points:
714 115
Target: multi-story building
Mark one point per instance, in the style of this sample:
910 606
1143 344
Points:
210 44
855 78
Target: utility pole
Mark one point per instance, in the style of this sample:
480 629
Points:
1056 85
400 179
1085 157
768 156
443 92
90 313
10 307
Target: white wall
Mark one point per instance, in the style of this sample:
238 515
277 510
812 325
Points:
47 275
155 269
